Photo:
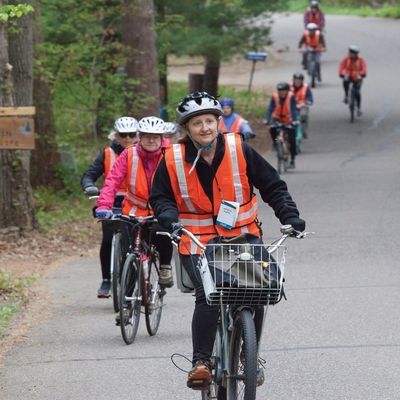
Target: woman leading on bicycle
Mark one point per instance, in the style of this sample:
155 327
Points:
135 167
123 136
190 183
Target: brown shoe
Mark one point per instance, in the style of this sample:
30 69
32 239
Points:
199 377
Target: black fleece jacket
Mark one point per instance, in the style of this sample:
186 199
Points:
96 170
261 175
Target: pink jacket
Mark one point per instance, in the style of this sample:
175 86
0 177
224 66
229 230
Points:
119 172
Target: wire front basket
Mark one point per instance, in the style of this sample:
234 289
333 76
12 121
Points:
242 274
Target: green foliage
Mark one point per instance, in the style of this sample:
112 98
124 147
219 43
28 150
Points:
12 11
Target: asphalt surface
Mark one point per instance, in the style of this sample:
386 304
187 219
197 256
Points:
337 336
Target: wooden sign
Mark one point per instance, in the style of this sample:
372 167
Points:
17 133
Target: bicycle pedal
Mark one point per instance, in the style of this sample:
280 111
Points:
199 384
103 296
162 293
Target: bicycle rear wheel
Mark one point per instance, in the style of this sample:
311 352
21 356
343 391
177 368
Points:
130 294
116 267
243 361
155 296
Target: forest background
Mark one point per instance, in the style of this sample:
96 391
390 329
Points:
84 64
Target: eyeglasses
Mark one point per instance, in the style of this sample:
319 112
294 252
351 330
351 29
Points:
125 134
149 136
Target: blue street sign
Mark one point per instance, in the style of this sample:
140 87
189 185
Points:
256 56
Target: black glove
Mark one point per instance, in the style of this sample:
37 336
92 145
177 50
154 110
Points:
176 228
297 223
92 191
341 76
363 75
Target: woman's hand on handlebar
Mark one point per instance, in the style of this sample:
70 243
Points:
103 214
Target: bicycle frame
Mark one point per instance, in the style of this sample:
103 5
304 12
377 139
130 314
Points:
223 377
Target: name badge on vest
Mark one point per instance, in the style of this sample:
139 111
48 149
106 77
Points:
227 214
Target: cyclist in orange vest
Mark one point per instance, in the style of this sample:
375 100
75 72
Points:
304 98
136 167
232 122
353 69
312 40
314 14
190 183
123 136
282 108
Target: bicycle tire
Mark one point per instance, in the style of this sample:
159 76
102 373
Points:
116 259
130 291
216 391
299 137
352 104
243 362
154 296
279 155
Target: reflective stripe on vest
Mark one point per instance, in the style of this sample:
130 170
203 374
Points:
314 41
110 156
282 112
196 212
353 69
236 126
137 194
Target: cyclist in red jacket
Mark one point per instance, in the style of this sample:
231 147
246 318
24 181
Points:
314 14
353 69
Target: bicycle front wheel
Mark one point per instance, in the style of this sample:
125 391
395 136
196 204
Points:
130 299
243 361
155 296
116 259
352 106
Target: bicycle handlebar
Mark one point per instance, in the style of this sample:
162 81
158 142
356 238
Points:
286 230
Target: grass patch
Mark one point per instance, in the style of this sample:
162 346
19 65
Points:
12 295
349 8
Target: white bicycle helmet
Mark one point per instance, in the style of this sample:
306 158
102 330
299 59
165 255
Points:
152 125
312 26
170 128
197 103
126 124
314 3
354 49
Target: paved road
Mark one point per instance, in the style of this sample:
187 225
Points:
337 336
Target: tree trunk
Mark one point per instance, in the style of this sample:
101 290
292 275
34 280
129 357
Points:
211 72
43 173
16 199
139 38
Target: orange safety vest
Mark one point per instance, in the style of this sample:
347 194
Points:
282 112
236 126
196 212
109 160
137 193
301 95
353 68
314 17
314 41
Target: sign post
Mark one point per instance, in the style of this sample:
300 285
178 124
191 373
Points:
255 56
17 128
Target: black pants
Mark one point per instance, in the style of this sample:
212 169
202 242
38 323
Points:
205 317
162 243
346 84
292 139
105 251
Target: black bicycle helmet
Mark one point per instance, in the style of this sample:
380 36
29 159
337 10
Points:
298 75
283 86
197 103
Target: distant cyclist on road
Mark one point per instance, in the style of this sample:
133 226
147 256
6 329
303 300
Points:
124 135
232 122
282 108
353 69
313 39
315 15
304 98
